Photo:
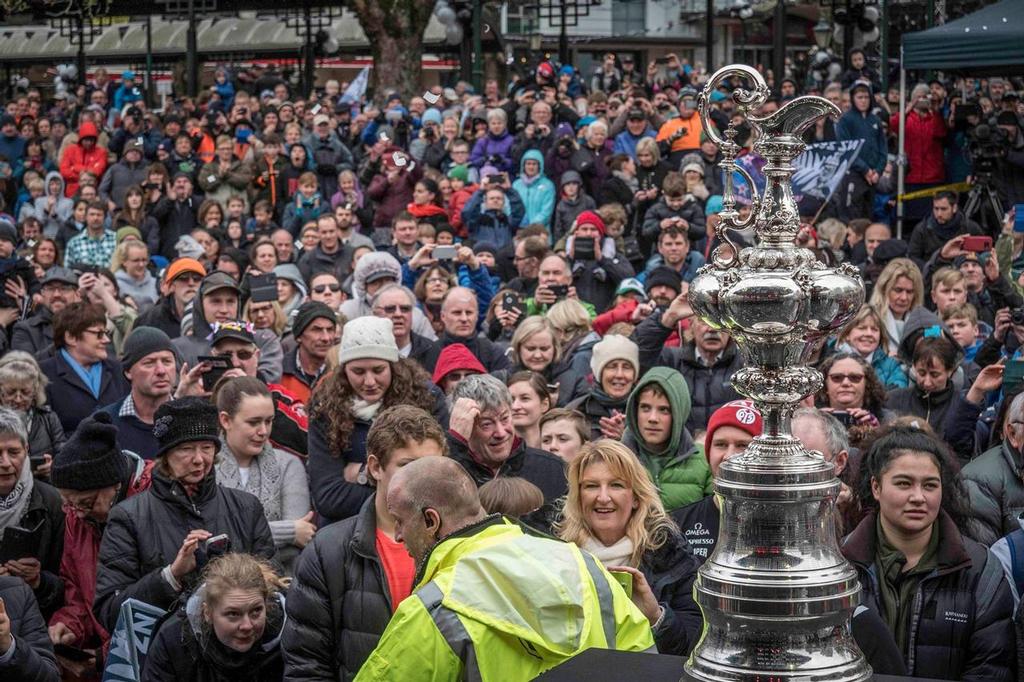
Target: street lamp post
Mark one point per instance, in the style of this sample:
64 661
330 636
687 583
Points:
779 44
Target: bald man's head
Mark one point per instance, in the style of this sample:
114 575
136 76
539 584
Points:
460 312
430 500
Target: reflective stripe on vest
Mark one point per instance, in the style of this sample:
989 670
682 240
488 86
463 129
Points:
452 629
604 596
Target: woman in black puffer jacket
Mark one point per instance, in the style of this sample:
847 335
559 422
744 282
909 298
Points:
943 596
154 544
229 629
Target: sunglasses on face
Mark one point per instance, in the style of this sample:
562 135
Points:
242 355
322 288
840 378
392 309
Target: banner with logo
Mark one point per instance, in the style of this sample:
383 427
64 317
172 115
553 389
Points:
817 172
130 641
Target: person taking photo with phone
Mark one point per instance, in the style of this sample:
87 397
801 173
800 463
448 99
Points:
152 549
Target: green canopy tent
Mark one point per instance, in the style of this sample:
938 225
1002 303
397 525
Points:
988 42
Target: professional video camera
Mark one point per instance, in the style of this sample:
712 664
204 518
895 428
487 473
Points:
986 145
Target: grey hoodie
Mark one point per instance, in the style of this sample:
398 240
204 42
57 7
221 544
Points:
62 207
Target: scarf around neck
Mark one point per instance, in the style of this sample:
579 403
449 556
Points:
619 554
265 478
364 410
15 504
631 182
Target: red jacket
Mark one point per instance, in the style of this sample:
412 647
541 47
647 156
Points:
78 569
924 138
456 203
76 160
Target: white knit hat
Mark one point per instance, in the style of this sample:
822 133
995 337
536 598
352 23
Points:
611 347
368 337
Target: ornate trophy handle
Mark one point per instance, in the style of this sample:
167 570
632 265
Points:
746 101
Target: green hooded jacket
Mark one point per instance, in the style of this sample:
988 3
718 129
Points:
679 469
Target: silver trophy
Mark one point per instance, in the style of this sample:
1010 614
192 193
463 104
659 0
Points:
777 594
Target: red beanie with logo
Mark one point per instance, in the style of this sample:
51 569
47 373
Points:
739 413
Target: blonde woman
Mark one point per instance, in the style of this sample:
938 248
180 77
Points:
898 290
131 270
536 347
864 337
574 331
265 315
614 512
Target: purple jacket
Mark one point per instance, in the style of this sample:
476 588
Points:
501 147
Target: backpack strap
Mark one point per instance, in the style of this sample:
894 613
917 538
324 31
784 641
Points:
1015 542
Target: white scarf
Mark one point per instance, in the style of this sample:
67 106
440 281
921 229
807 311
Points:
619 554
364 410
14 505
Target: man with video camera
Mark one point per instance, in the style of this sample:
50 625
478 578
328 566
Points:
1009 176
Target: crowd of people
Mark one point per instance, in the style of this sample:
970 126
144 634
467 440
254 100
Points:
413 390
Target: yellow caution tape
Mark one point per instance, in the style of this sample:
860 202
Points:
932 191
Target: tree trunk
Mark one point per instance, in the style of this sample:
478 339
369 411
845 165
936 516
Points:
395 30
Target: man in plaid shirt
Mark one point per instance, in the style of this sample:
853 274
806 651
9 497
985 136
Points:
94 246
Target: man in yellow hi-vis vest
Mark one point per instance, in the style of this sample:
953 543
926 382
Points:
492 600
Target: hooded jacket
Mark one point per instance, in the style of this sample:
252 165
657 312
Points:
935 407
196 332
359 304
145 532
960 623
516 615
538 193
678 467
710 385
61 211
185 648
119 178
567 210
690 211
455 357
76 159
860 125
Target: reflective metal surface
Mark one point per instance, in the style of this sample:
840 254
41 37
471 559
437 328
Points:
777 595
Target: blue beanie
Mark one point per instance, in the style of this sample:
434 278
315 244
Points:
713 204
431 116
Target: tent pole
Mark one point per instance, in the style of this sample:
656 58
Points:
901 166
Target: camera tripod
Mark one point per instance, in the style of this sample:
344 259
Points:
984 207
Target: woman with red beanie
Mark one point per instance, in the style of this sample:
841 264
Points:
730 430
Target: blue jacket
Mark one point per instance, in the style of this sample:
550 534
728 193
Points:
856 125
625 142
694 261
479 280
496 227
490 146
889 370
538 194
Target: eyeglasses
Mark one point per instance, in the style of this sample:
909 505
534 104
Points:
84 506
437 280
392 309
189 277
840 378
9 393
242 355
99 333
322 288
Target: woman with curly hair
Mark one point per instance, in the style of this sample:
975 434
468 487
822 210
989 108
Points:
943 596
853 394
371 376
614 512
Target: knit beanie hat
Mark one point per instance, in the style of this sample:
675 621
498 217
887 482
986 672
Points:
459 172
665 276
90 459
309 311
455 357
485 247
591 218
8 232
185 420
128 231
368 337
696 167
739 413
613 347
143 341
